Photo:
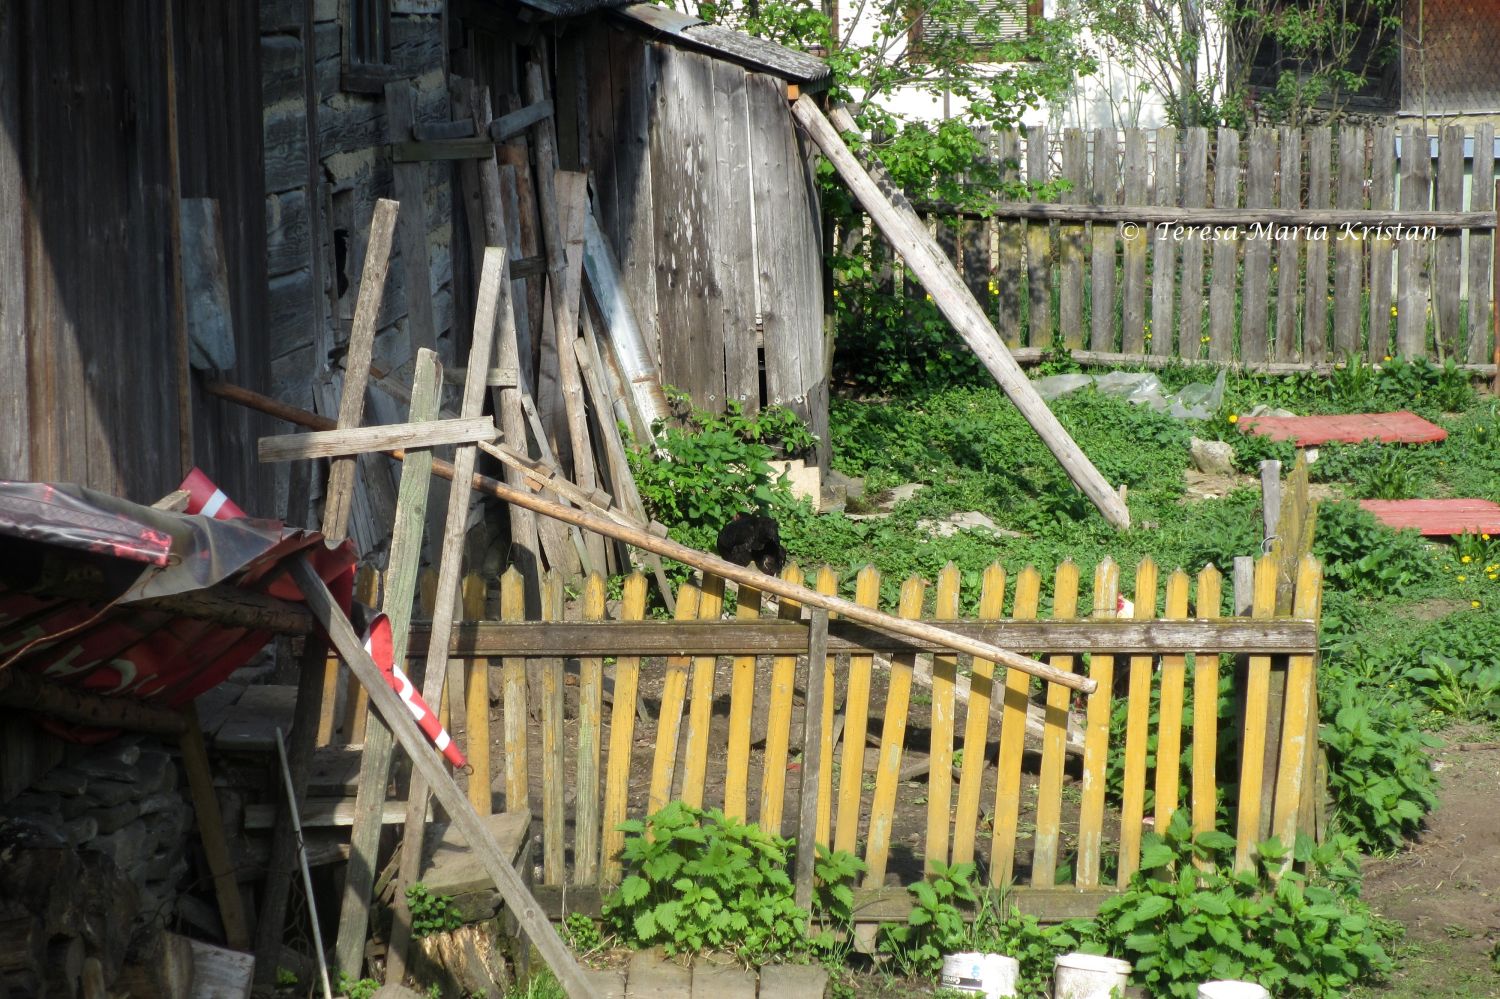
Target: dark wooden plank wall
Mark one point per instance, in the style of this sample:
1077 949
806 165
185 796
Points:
87 102
220 157
704 194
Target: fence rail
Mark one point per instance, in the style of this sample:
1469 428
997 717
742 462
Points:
1034 782
1279 249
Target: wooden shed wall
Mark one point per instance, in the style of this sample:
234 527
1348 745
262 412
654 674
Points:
704 193
87 285
1449 61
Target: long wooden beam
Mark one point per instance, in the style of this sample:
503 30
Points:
357 440
1341 223
478 640
518 900
847 609
907 232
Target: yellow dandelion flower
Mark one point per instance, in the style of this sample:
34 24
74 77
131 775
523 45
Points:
1475 604
1467 559
1493 577
1393 311
1388 357
1234 417
835 293
1486 537
1461 578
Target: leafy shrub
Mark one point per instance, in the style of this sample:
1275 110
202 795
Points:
431 913
714 465
356 988
1364 558
1378 774
699 880
1034 946
1297 935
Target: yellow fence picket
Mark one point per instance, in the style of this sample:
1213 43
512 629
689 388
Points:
940 749
669 719
856 724
1012 742
827 582
554 772
477 705
1253 738
741 715
1301 688
1137 731
1096 734
1206 711
779 719
977 726
517 720
892 738
1054 741
700 711
1169 725
590 719
621 737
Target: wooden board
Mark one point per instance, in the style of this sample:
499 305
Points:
1194 194
1288 269
1438 517
1038 249
1348 252
1075 166
1401 427
1221 291
1137 240
1102 265
1159 334
1315 305
1447 270
1382 250
1481 245
451 868
1411 254
1259 190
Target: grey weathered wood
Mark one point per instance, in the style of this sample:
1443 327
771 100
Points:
429 764
1194 194
734 240
1319 194
292 795
683 171
340 490
516 122
493 309
328 443
789 251
1075 170
1481 245
409 182
646 399
652 976
1159 338
205 281
520 238
812 756
400 589
633 67
894 216
1288 251
722 981
441 150
1270 496
1382 249
15 383
493 227
1007 298
1104 187
758 53
1137 244
459 128
1448 266
1348 252
211 829
1039 330
794 981
1225 264
1411 255
1260 190
554 777
773 637
572 192
1228 216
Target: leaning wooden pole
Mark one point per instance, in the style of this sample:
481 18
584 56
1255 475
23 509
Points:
900 224
847 609
429 763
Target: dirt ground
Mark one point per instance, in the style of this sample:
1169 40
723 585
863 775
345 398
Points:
1445 888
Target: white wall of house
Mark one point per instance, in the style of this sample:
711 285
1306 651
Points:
1114 96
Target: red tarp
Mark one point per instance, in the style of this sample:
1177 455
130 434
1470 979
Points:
1309 431
1438 517
111 647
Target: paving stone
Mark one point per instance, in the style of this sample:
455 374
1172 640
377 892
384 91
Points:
722 981
793 981
606 983
652 976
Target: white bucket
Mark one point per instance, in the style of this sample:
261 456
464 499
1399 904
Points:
1089 976
1232 990
990 975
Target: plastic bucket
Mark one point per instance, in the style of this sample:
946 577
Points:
1232 990
990 975
1089 976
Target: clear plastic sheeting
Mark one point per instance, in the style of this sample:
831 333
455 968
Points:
1197 401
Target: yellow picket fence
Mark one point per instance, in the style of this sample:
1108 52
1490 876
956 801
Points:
926 756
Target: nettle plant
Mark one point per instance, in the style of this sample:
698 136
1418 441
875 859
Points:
699 880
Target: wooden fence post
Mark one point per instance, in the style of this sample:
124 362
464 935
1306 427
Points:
812 758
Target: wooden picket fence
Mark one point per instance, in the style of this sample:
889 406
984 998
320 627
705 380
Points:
1017 772
1275 249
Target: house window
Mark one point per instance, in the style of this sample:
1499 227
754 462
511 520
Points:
367 45
978 24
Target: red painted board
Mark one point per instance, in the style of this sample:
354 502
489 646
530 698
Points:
1310 431
1438 517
